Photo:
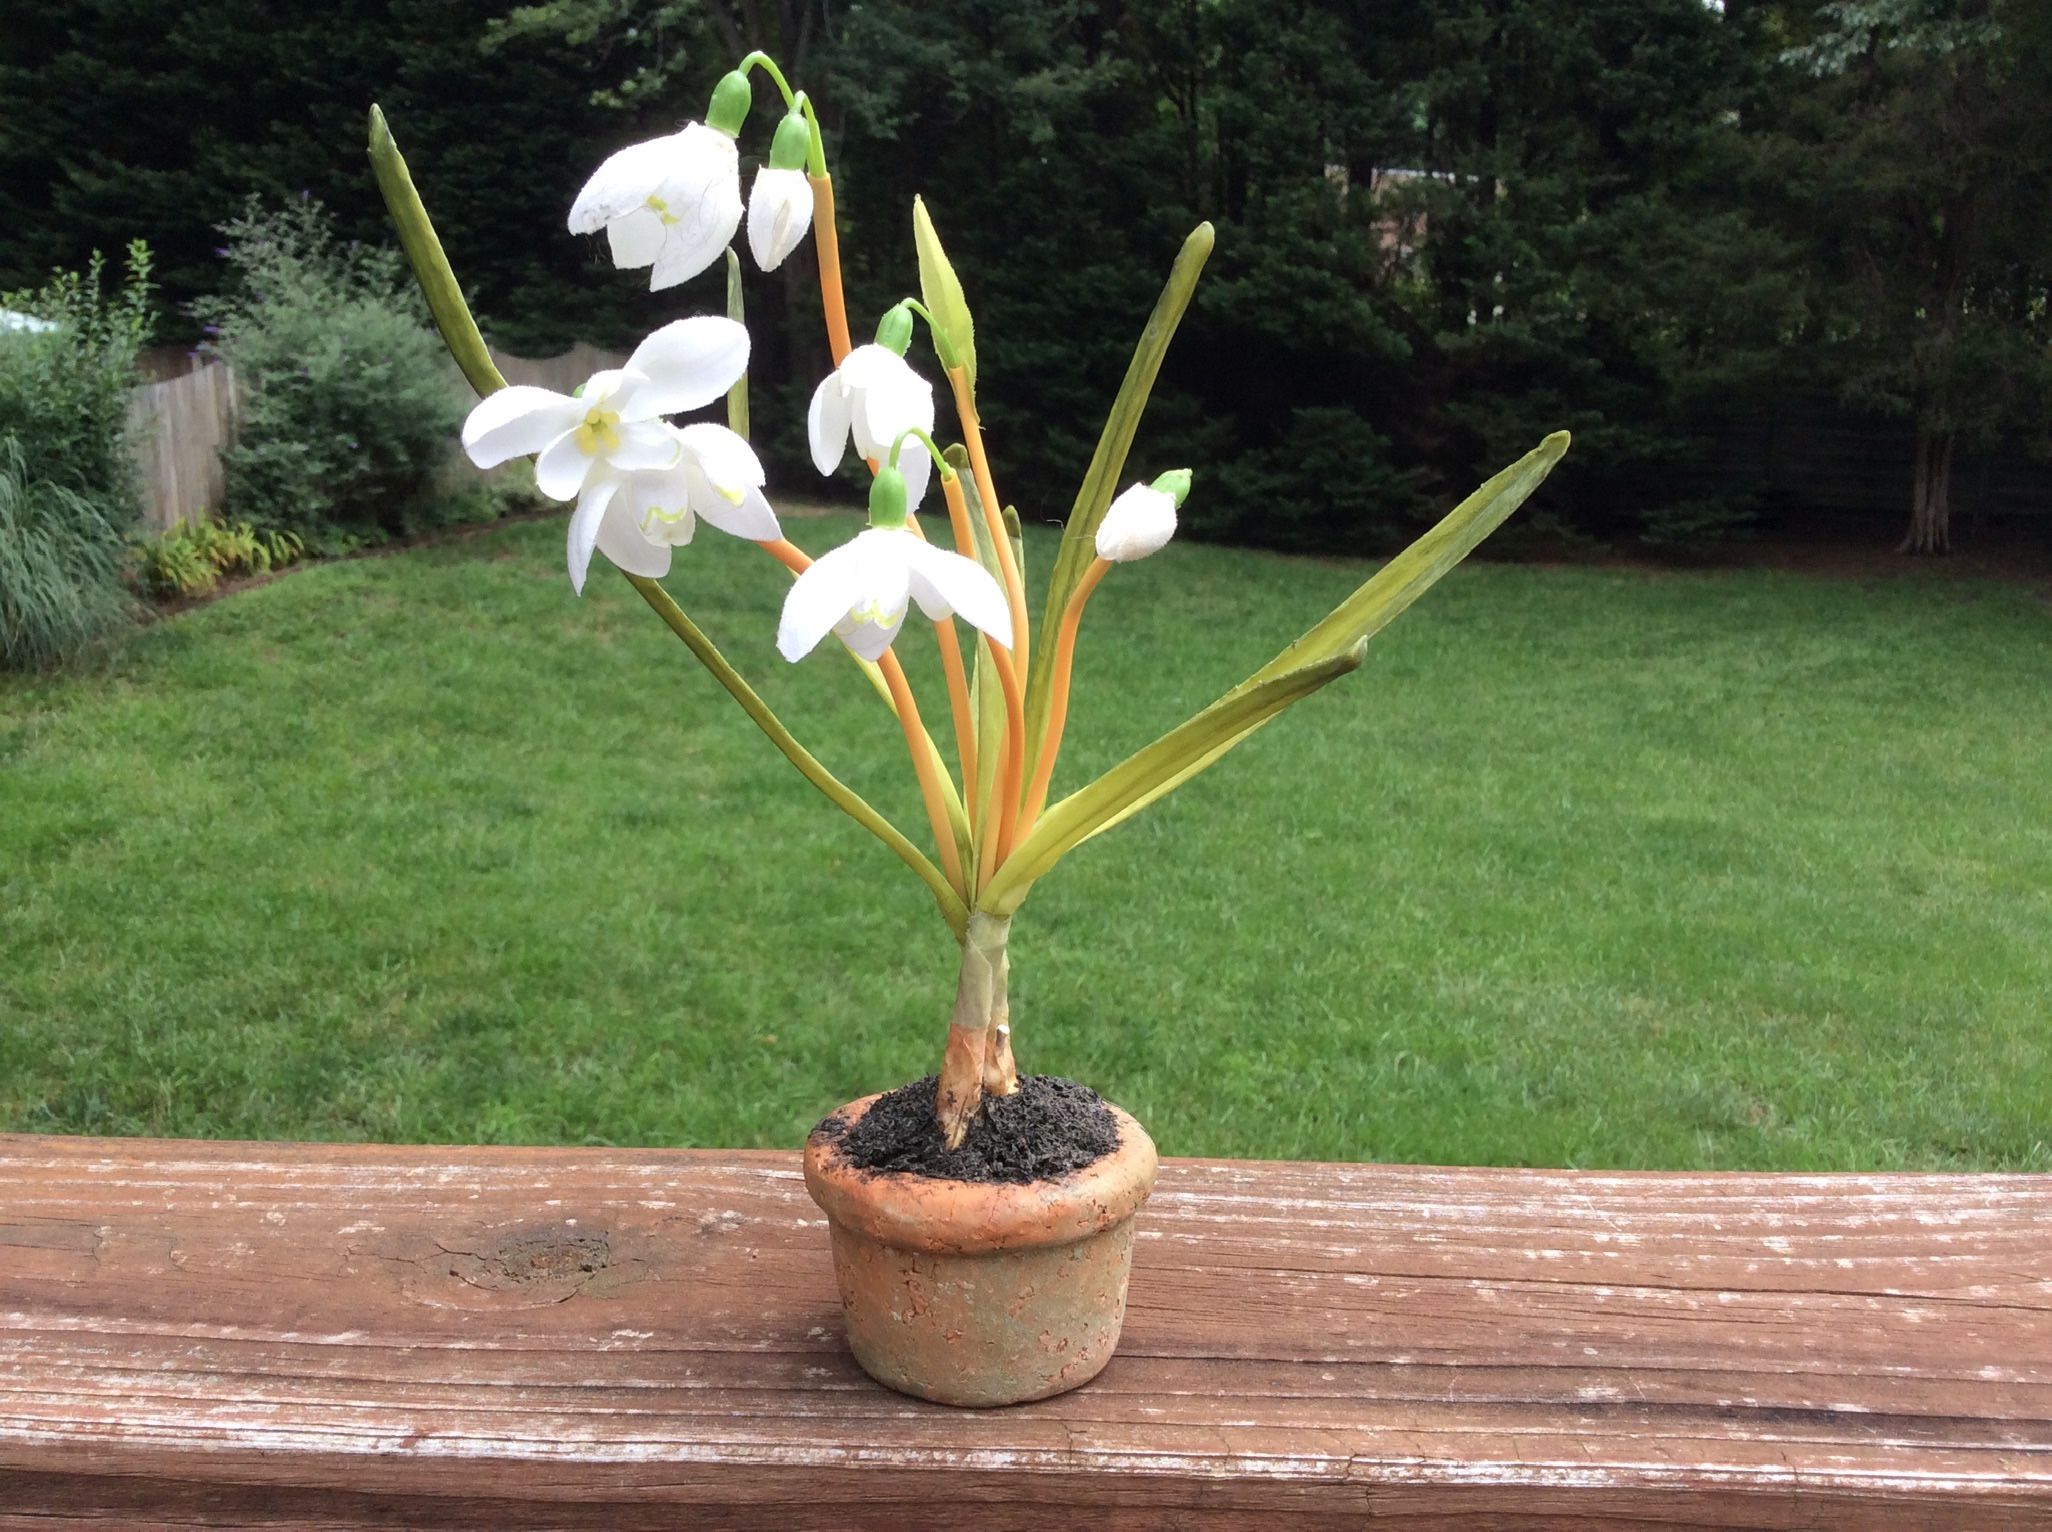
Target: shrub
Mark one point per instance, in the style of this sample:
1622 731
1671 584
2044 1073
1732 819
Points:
350 402
60 566
68 483
195 556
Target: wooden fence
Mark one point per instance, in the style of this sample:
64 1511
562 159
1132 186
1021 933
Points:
181 425
374 1336
184 423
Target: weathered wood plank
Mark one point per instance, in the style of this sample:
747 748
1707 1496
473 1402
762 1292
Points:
349 1336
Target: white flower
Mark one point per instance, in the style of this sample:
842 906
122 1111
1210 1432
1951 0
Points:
1139 522
861 591
875 395
588 445
779 213
672 203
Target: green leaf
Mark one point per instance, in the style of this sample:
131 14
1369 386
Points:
1160 768
430 265
1411 573
737 396
942 291
986 696
1100 480
1329 650
844 797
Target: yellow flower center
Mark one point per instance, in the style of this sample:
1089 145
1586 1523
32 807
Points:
600 431
661 209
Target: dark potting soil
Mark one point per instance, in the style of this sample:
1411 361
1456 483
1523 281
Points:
1049 1128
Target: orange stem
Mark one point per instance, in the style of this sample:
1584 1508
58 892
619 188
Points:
958 704
788 554
826 239
923 768
979 464
999 846
958 515
1058 696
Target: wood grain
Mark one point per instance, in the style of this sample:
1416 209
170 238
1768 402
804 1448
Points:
276 1335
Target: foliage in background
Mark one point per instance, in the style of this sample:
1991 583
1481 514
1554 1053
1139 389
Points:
1443 224
68 490
60 566
349 400
196 556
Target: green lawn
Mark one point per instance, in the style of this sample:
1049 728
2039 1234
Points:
1585 867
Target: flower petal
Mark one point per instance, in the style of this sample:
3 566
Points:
620 540
889 403
624 182
684 365
944 583
826 424
779 213
752 518
1139 522
916 463
584 526
516 421
562 468
701 205
868 637
729 463
636 238
644 445
820 599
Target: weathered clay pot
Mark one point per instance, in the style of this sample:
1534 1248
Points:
982 1294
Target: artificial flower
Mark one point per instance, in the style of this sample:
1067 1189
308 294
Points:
586 445
875 396
671 204
862 589
1142 519
780 202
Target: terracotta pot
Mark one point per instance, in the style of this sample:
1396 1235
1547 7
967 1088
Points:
980 1293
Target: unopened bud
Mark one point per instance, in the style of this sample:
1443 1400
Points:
731 99
887 497
894 330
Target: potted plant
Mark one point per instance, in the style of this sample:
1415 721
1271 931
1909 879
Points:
981 1218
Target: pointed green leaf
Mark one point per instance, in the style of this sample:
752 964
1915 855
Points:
942 290
1140 779
1100 480
1411 573
850 802
737 396
1330 649
430 265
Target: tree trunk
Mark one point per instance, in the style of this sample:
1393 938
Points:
1930 528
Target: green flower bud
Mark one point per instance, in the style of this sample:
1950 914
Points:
731 99
894 330
887 497
1175 484
792 143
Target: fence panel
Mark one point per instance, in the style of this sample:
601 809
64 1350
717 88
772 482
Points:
181 426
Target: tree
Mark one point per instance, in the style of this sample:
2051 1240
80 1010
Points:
1930 202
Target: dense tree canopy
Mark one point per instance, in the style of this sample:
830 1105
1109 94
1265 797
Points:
1445 226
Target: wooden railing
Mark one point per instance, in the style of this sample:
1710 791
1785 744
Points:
283 1335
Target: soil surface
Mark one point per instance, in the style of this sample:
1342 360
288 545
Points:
1050 1128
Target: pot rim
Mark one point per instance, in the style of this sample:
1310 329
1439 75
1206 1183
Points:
949 1217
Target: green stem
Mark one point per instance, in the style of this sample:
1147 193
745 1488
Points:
941 348
913 433
843 797
768 65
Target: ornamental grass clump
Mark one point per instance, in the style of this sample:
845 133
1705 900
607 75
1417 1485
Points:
639 481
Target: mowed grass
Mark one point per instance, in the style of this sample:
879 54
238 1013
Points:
1584 867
